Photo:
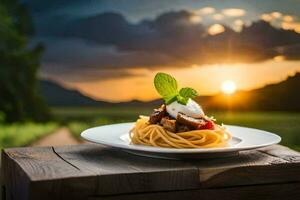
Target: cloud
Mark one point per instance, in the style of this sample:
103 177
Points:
38 6
80 60
205 11
288 18
218 16
216 29
276 15
286 22
234 12
196 19
174 35
108 42
266 17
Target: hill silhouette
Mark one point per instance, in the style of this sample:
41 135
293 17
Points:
283 96
58 95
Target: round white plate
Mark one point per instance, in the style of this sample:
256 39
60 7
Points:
116 135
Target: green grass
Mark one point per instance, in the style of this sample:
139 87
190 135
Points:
22 134
285 124
88 114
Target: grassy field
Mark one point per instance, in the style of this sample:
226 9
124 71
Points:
22 134
284 124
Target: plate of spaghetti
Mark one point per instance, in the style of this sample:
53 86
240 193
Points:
179 128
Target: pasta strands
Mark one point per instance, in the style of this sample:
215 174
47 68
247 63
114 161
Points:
155 135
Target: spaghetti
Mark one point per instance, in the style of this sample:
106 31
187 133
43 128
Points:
155 135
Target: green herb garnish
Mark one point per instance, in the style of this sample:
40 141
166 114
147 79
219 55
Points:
167 87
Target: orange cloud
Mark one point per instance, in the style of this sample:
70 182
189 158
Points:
276 14
297 28
266 17
287 26
288 18
216 29
291 26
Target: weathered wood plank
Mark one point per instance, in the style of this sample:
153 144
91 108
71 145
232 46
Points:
262 192
42 163
88 170
39 173
282 152
251 167
120 172
14 181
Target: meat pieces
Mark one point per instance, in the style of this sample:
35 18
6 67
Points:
168 124
182 128
157 115
191 122
182 123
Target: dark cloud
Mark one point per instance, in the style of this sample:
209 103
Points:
174 35
44 6
80 60
109 41
74 74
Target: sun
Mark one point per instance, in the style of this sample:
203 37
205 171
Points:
228 87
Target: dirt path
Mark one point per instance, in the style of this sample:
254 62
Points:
61 137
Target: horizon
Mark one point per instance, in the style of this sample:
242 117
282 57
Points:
104 48
159 98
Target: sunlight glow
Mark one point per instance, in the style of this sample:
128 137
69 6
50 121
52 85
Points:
288 18
266 17
276 14
297 28
216 29
228 87
287 26
279 58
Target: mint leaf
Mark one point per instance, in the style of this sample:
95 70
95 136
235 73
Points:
171 99
182 100
188 93
166 86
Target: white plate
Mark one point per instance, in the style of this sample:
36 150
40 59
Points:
116 135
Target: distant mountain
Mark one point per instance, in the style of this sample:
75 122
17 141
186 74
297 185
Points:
280 96
57 95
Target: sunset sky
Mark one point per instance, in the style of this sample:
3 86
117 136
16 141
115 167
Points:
112 49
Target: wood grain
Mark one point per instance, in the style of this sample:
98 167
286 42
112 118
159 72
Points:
81 171
264 192
283 152
251 167
120 172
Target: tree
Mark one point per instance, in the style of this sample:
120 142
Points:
19 99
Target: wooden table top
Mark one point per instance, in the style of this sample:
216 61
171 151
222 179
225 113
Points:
88 170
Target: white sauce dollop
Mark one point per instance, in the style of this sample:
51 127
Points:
191 109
